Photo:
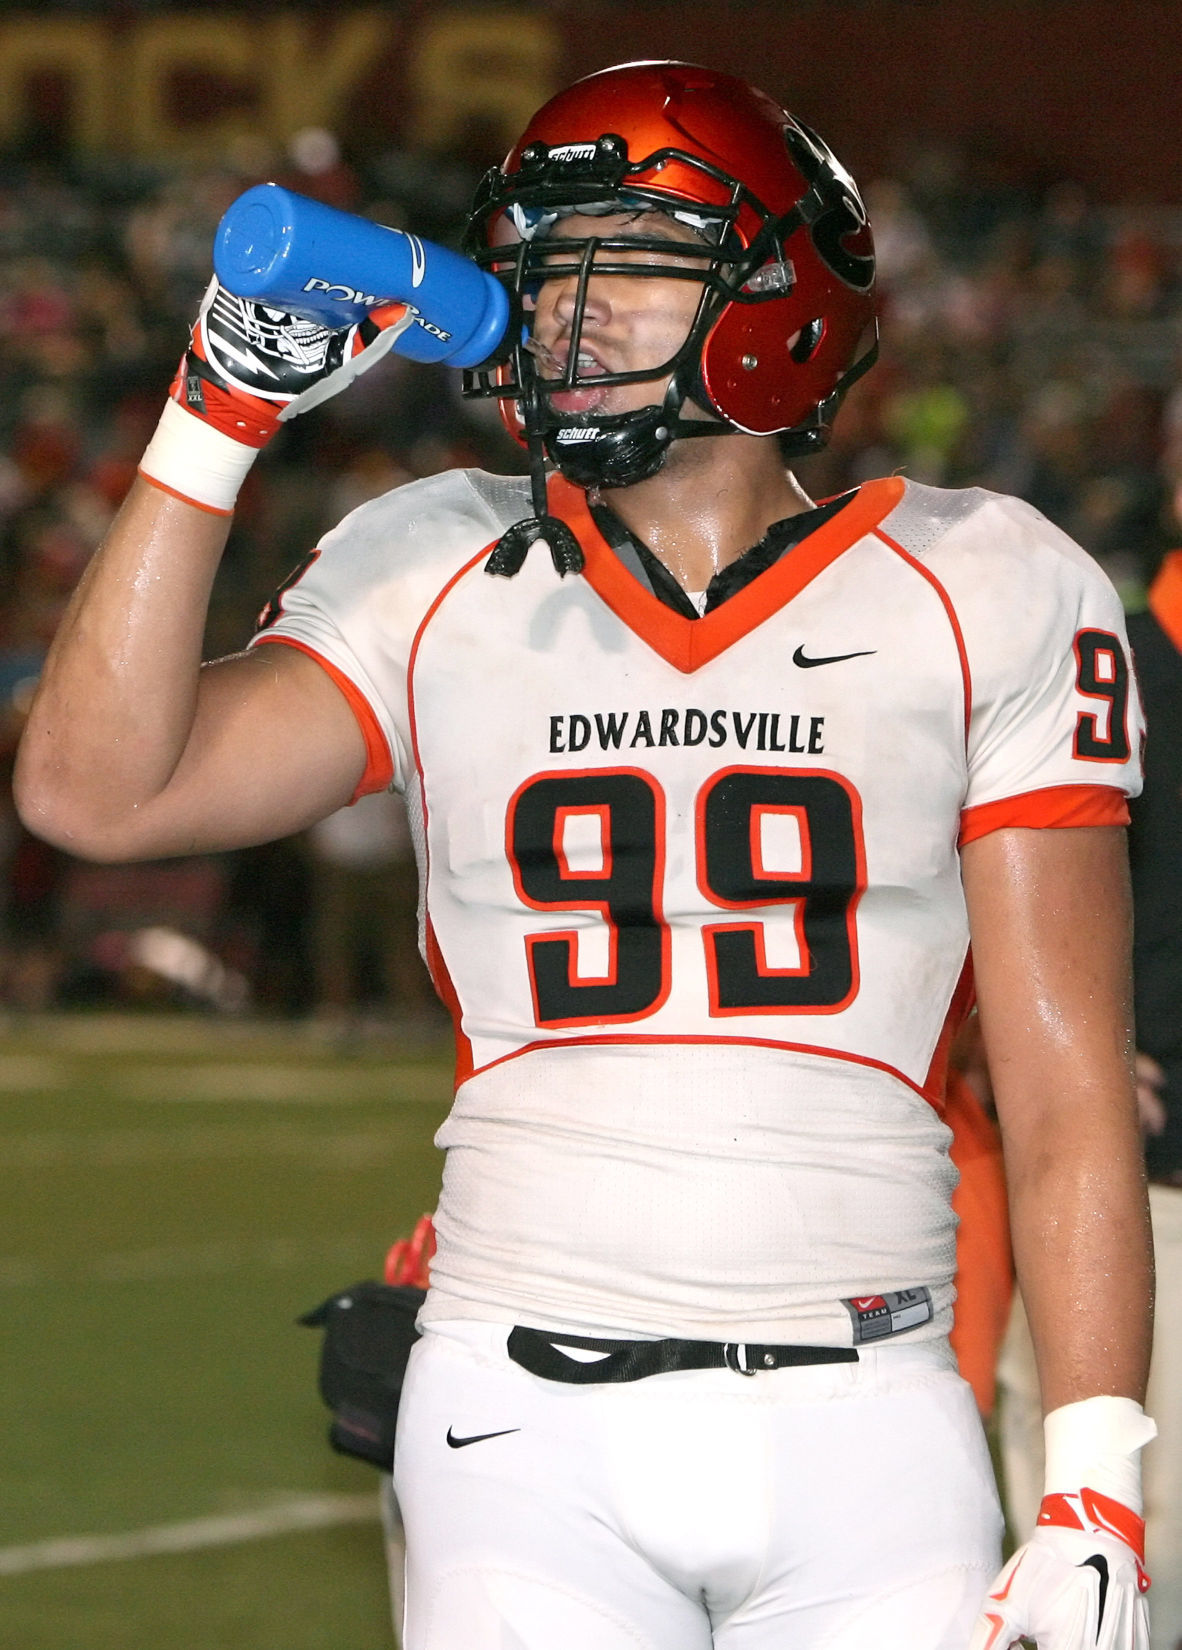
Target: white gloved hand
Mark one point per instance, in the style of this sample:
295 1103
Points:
247 370
1077 1584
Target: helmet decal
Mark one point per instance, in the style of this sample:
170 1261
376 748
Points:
841 216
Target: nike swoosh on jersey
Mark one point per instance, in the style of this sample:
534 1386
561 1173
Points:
805 663
477 1437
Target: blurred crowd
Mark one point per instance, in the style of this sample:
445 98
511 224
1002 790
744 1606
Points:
1031 341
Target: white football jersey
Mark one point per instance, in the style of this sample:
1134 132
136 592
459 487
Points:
691 888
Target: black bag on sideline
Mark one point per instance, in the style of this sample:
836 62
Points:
368 1333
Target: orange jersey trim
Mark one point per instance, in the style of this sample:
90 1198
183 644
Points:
1055 806
984 1265
379 764
689 643
959 1005
1165 597
210 509
445 990
736 1042
436 962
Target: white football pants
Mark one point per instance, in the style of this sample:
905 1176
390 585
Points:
835 1507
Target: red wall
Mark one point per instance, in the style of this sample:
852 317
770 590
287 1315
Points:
1033 88
1089 88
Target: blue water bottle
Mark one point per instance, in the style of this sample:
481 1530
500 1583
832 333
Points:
295 254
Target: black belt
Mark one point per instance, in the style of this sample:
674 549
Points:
542 1354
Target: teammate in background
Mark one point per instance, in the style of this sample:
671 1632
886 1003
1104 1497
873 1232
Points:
1156 851
711 787
984 1275
363 882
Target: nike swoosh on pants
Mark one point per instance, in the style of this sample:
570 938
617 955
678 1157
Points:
477 1437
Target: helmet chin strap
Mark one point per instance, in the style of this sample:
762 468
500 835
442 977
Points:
626 449
616 450
510 552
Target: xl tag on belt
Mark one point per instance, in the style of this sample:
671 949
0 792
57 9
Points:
874 1317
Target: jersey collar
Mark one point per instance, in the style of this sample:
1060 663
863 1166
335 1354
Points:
688 644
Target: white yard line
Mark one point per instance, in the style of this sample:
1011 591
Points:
122 1148
27 1073
184 1034
308 1512
272 1084
191 1260
341 1084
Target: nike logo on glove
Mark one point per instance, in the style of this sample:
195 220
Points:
805 663
1098 1563
477 1437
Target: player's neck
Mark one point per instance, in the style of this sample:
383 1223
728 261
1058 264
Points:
712 501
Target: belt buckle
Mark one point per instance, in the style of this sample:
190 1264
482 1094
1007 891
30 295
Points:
734 1355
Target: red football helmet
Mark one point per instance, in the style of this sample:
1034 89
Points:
786 320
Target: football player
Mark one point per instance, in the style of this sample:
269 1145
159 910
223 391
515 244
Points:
712 786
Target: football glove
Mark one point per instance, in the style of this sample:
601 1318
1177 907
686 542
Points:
409 1260
247 370
1077 1584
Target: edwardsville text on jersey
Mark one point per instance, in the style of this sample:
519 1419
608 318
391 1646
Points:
757 730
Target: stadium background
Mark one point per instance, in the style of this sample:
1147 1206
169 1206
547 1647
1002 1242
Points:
203 1129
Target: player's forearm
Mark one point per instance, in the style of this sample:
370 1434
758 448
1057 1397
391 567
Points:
117 697
1084 1258
1050 920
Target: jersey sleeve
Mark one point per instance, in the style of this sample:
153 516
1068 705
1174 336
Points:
322 611
357 603
1055 726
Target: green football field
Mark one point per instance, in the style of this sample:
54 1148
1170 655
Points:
174 1192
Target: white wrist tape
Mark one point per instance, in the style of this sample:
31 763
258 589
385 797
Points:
1097 1443
190 457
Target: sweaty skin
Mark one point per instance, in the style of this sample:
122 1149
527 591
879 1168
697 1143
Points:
1050 917
713 499
134 750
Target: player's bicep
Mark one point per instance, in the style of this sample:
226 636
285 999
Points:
1049 918
274 747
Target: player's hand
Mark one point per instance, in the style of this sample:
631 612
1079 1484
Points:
409 1260
246 371
249 368
1077 1584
